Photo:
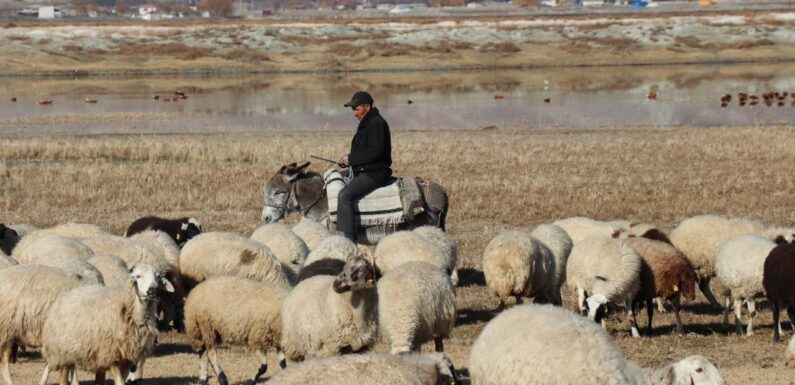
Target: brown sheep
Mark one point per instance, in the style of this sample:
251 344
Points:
779 270
665 273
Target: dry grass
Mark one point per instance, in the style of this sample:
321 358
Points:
177 50
496 179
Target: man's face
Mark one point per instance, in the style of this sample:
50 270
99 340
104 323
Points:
360 111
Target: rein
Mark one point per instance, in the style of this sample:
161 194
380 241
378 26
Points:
292 191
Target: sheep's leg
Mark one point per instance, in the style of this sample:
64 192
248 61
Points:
263 367
73 376
6 356
581 299
633 322
439 344
676 305
282 359
45 376
751 315
64 377
776 322
99 377
726 310
203 363
661 305
738 312
213 355
650 315
703 284
115 372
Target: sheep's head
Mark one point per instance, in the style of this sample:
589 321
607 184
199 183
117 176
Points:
444 366
189 228
357 274
595 307
147 281
8 239
693 370
277 192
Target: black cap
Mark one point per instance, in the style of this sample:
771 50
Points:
360 98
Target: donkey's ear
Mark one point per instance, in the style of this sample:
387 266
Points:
304 166
281 170
292 165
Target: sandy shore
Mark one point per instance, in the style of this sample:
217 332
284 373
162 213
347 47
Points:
404 44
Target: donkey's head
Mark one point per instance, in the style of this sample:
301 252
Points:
279 192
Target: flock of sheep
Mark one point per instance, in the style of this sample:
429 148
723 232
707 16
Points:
94 301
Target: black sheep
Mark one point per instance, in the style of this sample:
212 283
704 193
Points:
779 284
181 230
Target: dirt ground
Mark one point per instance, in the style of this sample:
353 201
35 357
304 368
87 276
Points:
395 44
497 179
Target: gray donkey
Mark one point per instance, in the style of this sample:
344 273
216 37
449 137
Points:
293 188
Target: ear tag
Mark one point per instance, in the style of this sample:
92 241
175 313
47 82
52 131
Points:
676 288
129 284
370 282
178 236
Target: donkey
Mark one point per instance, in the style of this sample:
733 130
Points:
293 188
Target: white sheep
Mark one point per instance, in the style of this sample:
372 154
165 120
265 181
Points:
606 271
387 369
77 231
160 240
214 253
790 353
416 304
311 232
580 228
254 321
113 269
288 248
407 246
35 249
26 294
700 237
739 269
519 265
559 242
544 344
99 328
333 247
75 265
446 244
326 315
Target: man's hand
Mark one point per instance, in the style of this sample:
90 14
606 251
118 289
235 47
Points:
343 162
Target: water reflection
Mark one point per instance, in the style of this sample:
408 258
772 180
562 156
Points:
585 97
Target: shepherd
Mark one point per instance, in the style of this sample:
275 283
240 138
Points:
369 160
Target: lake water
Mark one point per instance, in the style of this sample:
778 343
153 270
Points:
580 98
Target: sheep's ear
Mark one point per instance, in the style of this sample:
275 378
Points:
166 285
780 239
616 233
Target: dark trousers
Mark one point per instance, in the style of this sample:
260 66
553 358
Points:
360 186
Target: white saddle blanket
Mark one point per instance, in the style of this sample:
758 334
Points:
380 207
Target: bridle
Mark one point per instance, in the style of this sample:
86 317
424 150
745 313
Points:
292 191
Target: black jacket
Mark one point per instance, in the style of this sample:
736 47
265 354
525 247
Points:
371 148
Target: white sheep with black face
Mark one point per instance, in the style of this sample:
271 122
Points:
97 328
543 344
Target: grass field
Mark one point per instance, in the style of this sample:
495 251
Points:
497 179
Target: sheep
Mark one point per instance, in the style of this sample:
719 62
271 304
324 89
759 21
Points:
71 230
34 249
26 294
406 246
739 269
98 328
162 241
215 253
607 270
406 369
254 321
333 247
559 242
416 305
326 315
779 269
75 265
665 273
580 228
446 244
700 237
790 353
543 344
288 248
8 239
180 230
113 269
517 264
135 251
311 232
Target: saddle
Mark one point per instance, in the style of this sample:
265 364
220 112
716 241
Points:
392 204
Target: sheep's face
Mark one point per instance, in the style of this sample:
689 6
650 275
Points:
357 274
147 281
693 370
595 307
277 192
8 239
188 230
